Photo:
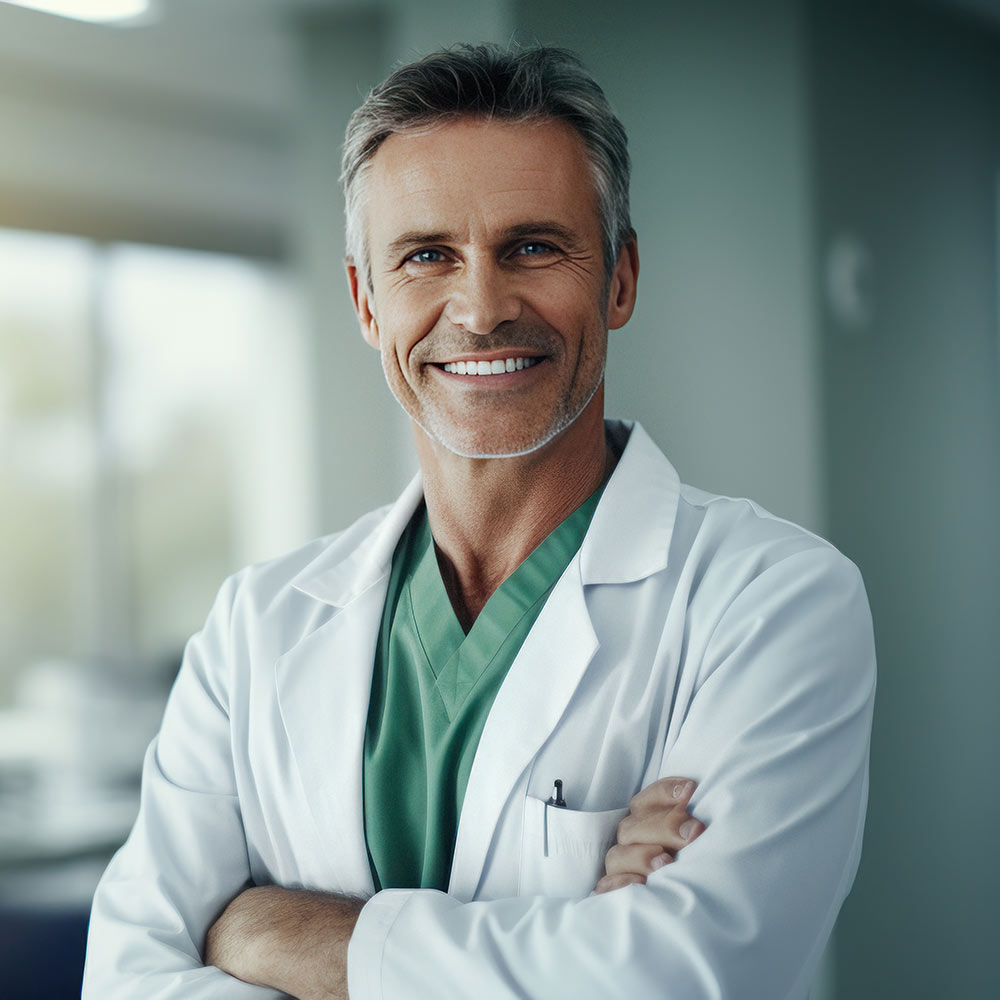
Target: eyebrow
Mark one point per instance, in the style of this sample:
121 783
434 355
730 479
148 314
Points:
414 238
569 239
522 230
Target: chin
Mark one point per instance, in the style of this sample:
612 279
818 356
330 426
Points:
474 449
473 443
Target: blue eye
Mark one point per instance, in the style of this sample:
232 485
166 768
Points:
534 249
427 257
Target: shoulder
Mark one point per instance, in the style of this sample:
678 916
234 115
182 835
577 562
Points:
755 581
739 527
695 552
294 579
737 553
683 528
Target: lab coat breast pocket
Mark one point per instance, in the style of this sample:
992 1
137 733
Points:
562 850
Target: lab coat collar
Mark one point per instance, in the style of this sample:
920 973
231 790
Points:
628 539
362 555
630 533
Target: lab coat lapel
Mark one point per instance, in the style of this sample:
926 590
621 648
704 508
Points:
323 689
324 683
628 540
527 708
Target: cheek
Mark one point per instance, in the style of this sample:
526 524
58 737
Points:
409 315
568 301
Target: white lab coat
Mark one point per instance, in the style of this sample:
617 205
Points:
692 635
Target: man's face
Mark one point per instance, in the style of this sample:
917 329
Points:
485 248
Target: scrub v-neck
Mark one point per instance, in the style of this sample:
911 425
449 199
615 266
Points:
432 688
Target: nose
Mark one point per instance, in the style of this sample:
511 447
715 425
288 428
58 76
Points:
481 298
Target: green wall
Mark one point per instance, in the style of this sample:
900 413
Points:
906 112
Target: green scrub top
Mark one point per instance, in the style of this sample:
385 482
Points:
432 689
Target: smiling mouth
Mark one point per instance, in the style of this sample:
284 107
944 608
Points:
499 366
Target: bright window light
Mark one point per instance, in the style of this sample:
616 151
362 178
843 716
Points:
98 11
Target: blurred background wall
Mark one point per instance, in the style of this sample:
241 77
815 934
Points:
183 389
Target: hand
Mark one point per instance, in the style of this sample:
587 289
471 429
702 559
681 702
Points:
657 827
293 940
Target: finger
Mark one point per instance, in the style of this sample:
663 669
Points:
670 828
662 794
610 882
639 859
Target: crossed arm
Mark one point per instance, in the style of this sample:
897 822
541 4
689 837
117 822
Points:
296 940
776 732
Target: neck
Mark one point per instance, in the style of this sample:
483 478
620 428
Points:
487 515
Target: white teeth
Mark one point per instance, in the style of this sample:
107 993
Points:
498 367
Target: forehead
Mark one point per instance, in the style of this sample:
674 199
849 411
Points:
473 176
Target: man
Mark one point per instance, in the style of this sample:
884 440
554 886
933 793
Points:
449 706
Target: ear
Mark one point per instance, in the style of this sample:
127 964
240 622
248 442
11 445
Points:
361 296
624 281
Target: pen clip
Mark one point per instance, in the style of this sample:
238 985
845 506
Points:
557 801
556 798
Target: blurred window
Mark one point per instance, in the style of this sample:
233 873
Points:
47 446
154 436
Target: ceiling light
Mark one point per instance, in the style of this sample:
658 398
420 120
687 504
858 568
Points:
97 11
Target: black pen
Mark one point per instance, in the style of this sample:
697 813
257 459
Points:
556 798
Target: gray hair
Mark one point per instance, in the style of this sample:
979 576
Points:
491 82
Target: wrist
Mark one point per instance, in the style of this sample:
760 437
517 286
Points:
292 940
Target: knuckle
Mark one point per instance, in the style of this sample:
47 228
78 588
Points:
613 859
611 882
678 788
662 793
650 851
623 828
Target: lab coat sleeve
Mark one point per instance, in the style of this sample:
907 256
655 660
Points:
186 857
777 735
